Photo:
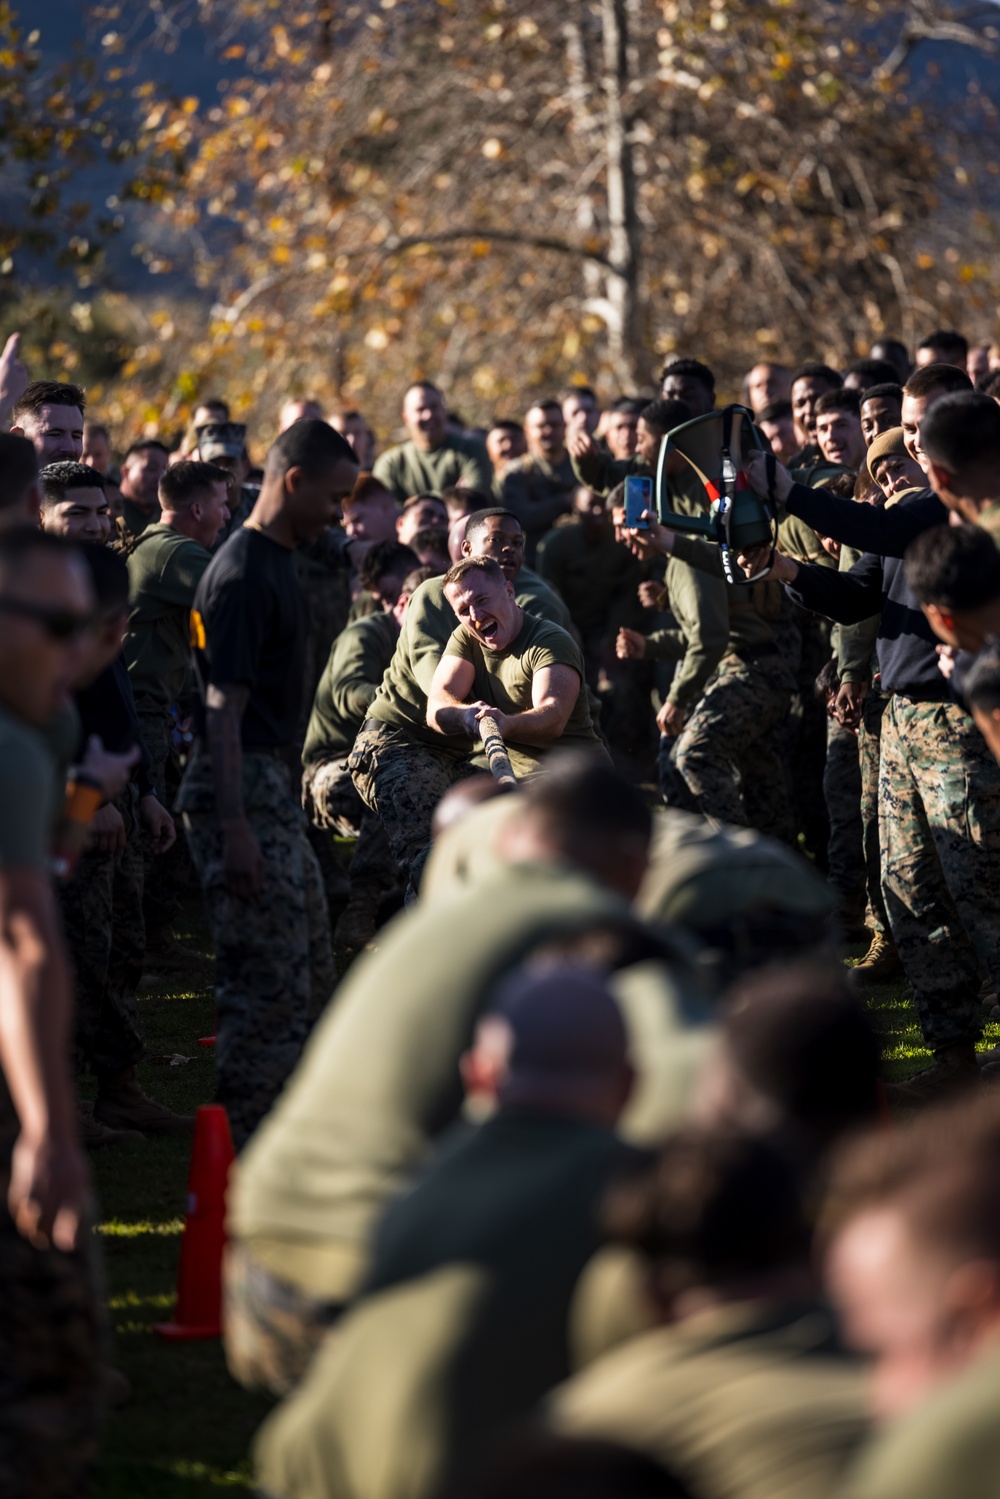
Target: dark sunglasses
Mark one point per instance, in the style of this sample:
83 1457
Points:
59 624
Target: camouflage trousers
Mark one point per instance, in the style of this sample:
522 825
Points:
271 1327
869 736
106 936
403 780
842 791
166 875
51 1337
939 824
729 760
273 961
330 800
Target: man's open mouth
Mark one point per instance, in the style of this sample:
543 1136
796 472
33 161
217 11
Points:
487 630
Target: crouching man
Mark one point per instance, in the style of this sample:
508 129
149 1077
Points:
524 672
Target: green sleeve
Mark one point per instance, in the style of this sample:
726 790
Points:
356 672
386 469
854 645
460 645
701 607
26 791
666 645
180 577
704 555
428 629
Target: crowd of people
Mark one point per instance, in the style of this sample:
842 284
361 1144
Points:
582 1178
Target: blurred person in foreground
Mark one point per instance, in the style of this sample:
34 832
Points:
49 1321
741 1389
379 1080
470 1292
913 1267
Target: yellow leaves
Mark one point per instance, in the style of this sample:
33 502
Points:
281 255
323 73
925 261
237 106
571 344
377 338
189 106
233 52
480 247
492 148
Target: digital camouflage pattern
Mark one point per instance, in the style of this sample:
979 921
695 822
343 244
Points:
729 760
272 1328
869 737
273 959
331 802
842 791
106 936
51 1341
403 780
939 825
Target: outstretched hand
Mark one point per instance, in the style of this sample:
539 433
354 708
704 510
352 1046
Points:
756 468
763 562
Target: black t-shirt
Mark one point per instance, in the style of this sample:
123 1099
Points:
248 626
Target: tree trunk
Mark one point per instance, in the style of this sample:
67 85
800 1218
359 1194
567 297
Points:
622 302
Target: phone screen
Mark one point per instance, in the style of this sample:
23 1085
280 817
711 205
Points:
638 497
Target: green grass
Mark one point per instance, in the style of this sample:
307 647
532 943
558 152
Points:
186 1430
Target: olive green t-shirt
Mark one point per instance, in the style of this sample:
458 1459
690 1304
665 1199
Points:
379 1078
748 1400
164 570
27 796
428 624
407 469
350 680
504 678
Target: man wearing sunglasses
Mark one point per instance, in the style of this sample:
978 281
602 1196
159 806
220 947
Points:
49 1337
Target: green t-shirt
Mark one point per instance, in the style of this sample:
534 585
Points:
407 470
701 608
27 796
598 580
164 570
428 624
504 678
379 1078
750 1399
349 682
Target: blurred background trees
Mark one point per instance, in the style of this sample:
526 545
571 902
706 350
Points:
511 195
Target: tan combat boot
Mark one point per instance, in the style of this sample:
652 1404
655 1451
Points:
881 961
121 1104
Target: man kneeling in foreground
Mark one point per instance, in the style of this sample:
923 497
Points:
524 672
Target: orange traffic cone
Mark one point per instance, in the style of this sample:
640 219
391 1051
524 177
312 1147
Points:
199 1277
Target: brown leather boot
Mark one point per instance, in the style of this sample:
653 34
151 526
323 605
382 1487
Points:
121 1104
881 961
